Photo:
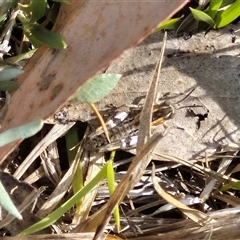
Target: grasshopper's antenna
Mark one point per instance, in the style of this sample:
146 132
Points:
191 105
186 96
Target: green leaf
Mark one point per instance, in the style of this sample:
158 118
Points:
202 16
20 59
111 189
72 140
20 132
9 86
170 24
96 88
5 7
37 9
7 204
227 16
32 39
43 35
232 185
25 8
213 7
23 20
9 72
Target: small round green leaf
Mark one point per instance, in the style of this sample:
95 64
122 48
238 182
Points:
20 132
96 88
202 16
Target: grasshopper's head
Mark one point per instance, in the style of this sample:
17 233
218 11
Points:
162 112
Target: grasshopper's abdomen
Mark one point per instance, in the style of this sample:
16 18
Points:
121 131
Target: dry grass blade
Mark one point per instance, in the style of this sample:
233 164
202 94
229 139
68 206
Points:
226 227
222 168
61 189
51 163
57 131
236 169
231 200
199 168
205 194
35 176
146 113
197 216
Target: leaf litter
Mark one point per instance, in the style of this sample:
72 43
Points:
45 167
199 151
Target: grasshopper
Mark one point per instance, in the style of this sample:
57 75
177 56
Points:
123 128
